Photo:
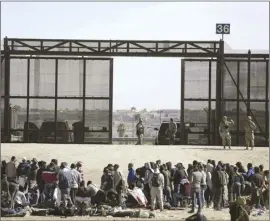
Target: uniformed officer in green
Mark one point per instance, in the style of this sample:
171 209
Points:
250 127
224 131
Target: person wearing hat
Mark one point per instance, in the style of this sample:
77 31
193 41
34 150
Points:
250 127
224 131
139 132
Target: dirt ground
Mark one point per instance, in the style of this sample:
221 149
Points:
96 157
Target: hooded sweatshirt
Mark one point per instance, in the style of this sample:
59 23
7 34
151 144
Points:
148 172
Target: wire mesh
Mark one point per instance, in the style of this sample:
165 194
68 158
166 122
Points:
18 77
258 80
70 78
97 78
42 77
196 79
229 87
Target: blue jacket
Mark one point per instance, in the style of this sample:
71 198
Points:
131 175
250 172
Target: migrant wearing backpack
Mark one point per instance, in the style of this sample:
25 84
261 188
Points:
155 184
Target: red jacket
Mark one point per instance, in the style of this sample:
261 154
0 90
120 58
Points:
49 177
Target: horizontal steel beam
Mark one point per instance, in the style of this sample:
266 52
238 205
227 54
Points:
115 54
75 47
59 97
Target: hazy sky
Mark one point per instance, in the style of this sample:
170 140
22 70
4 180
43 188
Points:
138 81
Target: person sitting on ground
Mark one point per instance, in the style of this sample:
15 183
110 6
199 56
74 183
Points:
97 195
20 198
82 199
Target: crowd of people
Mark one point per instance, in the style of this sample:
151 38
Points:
162 185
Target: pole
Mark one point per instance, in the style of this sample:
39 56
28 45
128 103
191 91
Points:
222 37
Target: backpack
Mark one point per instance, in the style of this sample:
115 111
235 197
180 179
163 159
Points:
155 182
222 178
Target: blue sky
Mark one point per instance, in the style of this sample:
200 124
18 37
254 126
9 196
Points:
137 81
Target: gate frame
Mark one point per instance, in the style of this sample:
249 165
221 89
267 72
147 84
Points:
248 58
146 48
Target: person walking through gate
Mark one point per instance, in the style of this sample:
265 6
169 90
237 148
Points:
250 127
224 131
139 132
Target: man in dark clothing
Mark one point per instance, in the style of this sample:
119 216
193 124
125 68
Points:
240 167
40 181
3 169
179 174
23 171
230 172
218 185
257 184
167 184
32 179
56 167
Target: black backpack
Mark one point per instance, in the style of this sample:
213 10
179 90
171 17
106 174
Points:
155 181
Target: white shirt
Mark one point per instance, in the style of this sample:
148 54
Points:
20 198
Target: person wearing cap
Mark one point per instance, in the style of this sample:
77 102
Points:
139 132
156 185
11 169
250 127
224 131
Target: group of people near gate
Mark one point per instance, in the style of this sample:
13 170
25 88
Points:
224 131
157 185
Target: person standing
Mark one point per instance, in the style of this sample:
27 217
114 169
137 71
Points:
250 127
139 132
156 185
172 131
196 180
224 131
75 182
10 170
64 182
131 175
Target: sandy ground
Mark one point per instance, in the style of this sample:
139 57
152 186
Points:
95 157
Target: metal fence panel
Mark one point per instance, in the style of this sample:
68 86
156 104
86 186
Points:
53 105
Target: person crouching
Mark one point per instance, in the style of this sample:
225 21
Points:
156 185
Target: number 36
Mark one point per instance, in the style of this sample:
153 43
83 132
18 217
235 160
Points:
223 29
